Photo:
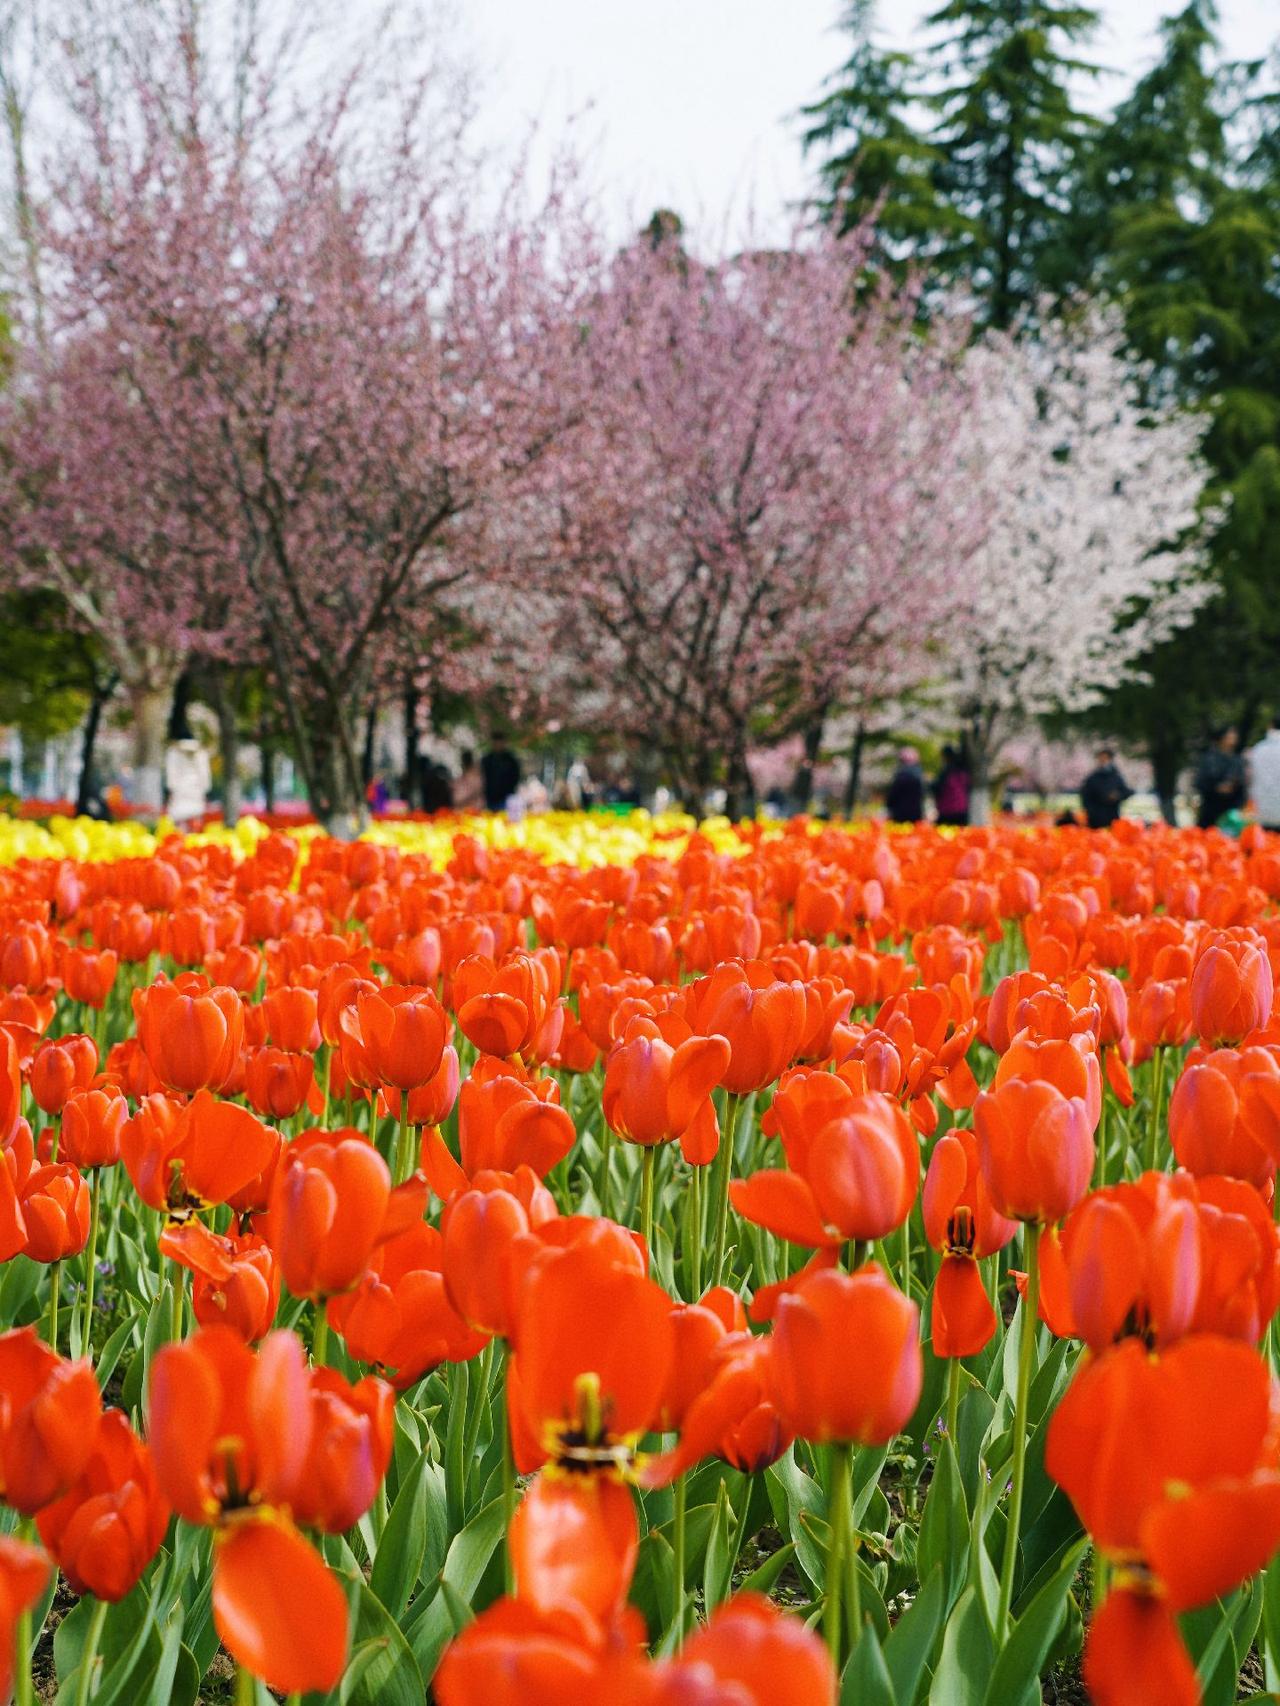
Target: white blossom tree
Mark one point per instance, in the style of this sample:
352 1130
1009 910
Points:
1092 553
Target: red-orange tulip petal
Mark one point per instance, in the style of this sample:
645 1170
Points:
278 1608
1135 1657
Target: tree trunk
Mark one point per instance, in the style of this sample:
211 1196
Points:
853 783
149 708
226 694
367 752
802 786
179 723
333 774
412 794
102 692
979 782
740 794
267 761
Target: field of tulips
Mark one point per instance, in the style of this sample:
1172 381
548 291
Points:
630 1266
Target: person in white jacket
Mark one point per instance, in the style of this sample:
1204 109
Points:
1264 776
188 777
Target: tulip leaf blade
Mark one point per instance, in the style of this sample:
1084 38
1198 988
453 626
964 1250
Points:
382 1670
914 1636
1024 1654
402 1548
968 1653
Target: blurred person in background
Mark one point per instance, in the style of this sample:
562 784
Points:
1103 791
188 777
500 774
951 788
904 797
1220 779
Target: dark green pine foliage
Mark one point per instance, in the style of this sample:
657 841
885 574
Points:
1184 189
876 159
1009 140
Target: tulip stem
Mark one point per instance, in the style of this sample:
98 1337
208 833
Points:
647 1158
404 1143
678 1546
246 1687
1026 1357
843 1590
695 1255
89 1658
320 1337
179 1298
1157 1096
91 1259
724 1173
606 1154
55 1285
953 1399
508 1480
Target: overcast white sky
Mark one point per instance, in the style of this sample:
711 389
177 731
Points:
690 103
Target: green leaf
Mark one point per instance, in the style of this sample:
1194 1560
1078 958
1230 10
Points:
866 1679
913 1637
968 1653
383 1670
718 1558
403 1545
1023 1655
944 1527
109 1356
763 1580
469 1554
798 1497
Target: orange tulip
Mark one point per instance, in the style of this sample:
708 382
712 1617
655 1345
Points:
190 1031
292 1019
399 1316
92 1121
575 1539
403 1032
24 1575
853 1173
10 1087
759 1656
351 1434
55 1207
187 1157
237 1282
1231 987
585 1384
1169 1462
48 1420
107 1527
732 1414
60 1066
277 1083
480 1229
232 1434
820 1391
960 1220
506 1121
430 1104
331 1206
1035 1146
763 1017
657 1089
1224 1114
511 1008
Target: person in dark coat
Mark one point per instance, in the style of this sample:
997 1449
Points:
904 797
1103 791
500 774
1220 779
951 788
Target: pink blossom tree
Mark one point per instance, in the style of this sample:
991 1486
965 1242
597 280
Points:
280 379
1090 553
762 501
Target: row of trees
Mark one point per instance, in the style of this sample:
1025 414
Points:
994 184
298 386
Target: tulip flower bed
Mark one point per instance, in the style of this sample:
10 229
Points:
775 1268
